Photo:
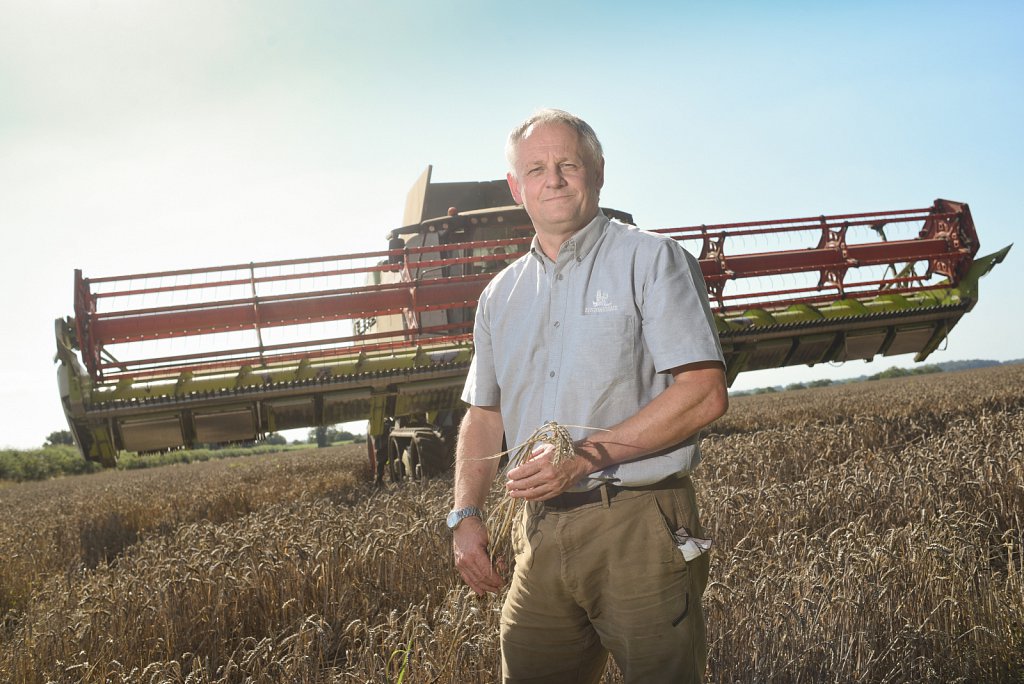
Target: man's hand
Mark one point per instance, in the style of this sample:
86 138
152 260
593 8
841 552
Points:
539 479
469 543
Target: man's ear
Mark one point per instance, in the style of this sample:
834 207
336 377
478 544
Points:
600 174
513 185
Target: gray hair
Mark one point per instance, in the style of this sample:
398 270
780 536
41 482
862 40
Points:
587 136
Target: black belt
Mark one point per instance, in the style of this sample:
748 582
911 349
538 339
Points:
567 501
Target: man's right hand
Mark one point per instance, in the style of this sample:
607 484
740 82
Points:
469 543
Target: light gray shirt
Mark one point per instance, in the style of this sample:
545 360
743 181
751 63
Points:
588 340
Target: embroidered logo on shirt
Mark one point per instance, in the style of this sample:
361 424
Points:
601 304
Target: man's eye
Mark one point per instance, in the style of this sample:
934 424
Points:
568 165
534 171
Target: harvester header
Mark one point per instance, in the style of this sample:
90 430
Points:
171 359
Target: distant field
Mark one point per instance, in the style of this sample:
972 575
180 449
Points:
868 532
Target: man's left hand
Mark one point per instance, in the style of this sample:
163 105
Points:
539 479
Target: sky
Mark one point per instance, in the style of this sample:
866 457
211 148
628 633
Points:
142 135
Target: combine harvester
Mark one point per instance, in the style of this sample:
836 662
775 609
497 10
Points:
158 361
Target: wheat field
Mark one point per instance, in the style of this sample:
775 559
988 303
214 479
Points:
869 532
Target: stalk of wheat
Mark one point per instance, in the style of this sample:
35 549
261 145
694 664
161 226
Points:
506 508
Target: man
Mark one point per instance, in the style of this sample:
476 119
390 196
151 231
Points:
606 329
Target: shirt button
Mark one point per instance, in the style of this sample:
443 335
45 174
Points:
552 374
559 276
557 324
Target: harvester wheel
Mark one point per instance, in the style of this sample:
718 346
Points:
410 463
396 469
432 456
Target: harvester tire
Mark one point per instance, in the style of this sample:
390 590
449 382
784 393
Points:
396 469
432 456
410 464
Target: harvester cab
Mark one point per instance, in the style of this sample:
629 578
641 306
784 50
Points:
173 359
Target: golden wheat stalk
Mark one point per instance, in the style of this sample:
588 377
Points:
505 509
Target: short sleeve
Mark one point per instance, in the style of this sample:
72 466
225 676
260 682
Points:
481 388
678 326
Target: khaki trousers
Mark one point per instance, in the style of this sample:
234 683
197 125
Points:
606 577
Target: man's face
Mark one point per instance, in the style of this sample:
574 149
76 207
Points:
556 180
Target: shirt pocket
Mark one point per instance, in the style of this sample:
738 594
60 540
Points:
603 359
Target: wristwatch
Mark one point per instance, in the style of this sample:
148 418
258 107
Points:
460 514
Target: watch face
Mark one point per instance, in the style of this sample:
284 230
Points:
457 516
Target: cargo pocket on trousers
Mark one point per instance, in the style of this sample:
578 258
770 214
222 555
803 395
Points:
669 549
666 536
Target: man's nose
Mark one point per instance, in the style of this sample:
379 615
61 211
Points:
555 179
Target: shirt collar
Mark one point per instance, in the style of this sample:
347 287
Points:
580 243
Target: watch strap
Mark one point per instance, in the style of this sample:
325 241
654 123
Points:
460 514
